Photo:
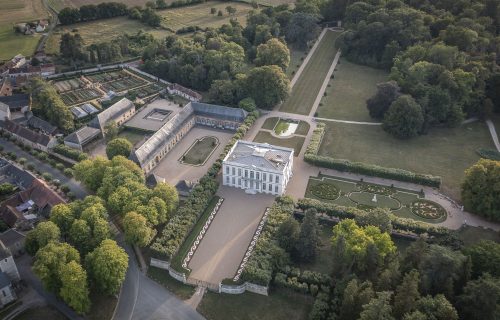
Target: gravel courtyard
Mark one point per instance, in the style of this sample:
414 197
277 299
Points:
224 245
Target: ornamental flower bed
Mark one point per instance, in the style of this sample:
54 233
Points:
427 210
325 191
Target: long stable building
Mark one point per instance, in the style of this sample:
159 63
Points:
151 152
258 167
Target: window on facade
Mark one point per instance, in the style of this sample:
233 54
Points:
227 179
227 170
270 178
257 175
276 189
270 188
264 177
251 174
239 172
263 186
246 173
232 180
246 183
239 182
234 171
277 179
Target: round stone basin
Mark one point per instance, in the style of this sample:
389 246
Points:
366 198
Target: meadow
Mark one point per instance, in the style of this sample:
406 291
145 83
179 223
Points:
11 13
348 91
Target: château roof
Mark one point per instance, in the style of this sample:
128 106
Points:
259 155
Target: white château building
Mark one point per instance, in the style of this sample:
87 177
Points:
258 167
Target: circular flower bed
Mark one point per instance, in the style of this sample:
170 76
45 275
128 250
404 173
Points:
325 191
428 210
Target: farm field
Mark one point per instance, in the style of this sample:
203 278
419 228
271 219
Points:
16 11
293 142
443 152
307 87
101 31
348 91
199 15
281 304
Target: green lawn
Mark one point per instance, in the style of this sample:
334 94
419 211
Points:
200 151
161 276
444 152
270 123
303 128
471 235
281 304
348 91
12 43
294 142
307 87
296 58
135 137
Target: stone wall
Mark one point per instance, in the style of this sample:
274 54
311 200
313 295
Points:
165 265
247 286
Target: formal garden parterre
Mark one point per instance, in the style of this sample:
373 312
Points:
200 151
367 196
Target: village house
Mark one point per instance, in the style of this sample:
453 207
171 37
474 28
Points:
6 87
186 93
23 209
14 241
7 292
36 140
17 102
41 125
258 167
4 112
15 62
7 263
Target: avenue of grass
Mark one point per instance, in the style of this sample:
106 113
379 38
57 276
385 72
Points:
281 304
306 89
294 142
444 152
348 91
297 56
200 151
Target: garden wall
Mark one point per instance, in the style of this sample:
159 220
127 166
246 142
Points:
247 286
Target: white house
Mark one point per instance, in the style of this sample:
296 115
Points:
7 294
258 167
4 111
184 92
7 263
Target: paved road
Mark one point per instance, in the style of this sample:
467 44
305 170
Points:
142 298
73 185
493 133
24 267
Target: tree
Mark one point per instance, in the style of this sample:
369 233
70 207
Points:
71 46
161 4
136 229
213 10
481 187
80 236
378 308
437 308
407 294
273 52
111 130
231 10
247 104
480 299
74 289
378 217
268 86
354 297
386 93
357 240
118 146
288 234
307 243
49 261
62 216
44 233
485 258
107 266
404 119
91 172
69 15
302 28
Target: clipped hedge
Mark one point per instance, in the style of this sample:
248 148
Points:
311 156
71 153
403 225
178 228
267 254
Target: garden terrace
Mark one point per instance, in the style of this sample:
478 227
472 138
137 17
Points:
123 84
366 196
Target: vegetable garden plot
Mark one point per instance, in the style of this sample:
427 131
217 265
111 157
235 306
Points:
68 85
147 91
79 96
123 84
